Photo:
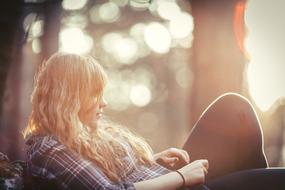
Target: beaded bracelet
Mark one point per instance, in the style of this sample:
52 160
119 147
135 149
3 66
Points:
182 178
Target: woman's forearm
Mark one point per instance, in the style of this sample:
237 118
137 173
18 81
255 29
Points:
189 175
170 181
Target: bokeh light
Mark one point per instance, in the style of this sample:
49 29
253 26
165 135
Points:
120 3
126 50
74 40
132 87
137 30
139 5
109 40
265 43
123 49
36 46
73 4
157 37
94 14
33 26
109 12
118 101
183 77
37 28
140 95
181 26
28 20
144 75
76 20
185 42
168 9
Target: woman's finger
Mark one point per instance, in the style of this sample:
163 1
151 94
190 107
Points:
205 170
186 156
170 160
205 163
181 154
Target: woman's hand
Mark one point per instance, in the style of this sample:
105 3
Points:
195 172
172 158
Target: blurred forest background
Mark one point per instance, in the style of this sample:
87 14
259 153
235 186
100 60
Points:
166 61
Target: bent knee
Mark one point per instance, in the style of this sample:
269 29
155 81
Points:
233 100
230 105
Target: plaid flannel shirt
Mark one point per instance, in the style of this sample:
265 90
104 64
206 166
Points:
50 160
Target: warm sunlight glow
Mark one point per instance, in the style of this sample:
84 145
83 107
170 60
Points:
266 43
157 37
74 40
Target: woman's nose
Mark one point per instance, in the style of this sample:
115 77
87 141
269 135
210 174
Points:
103 103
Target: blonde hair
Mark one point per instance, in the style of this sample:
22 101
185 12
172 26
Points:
65 84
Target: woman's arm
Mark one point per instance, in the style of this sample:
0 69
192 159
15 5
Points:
193 173
168 181
73 172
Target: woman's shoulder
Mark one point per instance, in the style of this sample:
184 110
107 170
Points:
48 157
43 145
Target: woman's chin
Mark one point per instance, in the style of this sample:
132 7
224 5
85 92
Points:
94 122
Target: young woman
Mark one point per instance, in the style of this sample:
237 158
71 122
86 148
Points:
71 147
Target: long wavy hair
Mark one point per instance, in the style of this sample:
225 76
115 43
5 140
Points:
66 84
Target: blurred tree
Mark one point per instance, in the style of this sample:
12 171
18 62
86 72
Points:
10 16
12 40
218 61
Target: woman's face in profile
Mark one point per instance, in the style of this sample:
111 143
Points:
93 112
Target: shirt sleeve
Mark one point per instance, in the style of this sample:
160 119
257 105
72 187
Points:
70 171
73 172
89 177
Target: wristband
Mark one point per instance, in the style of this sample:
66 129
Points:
181 177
